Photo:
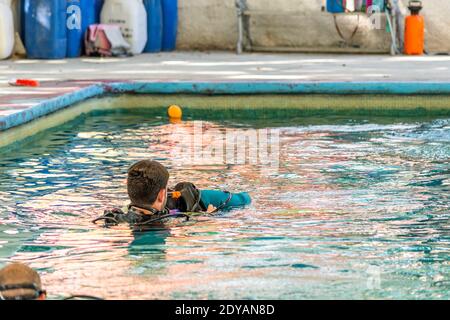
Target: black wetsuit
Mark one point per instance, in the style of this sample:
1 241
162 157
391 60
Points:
135 216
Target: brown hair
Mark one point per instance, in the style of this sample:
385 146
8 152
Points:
145 179
19 274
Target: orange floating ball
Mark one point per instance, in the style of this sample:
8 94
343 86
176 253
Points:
175 112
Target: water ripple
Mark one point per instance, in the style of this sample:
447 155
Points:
354 203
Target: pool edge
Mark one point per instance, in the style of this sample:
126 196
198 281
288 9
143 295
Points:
221 88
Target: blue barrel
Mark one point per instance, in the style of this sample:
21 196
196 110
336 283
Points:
45 29
23 7
80 15
98 5
335 6
170 24
154 25
88 14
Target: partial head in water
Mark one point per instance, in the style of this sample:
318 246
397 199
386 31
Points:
147 185
20 282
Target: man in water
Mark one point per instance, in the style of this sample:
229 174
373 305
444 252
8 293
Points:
19 282
152 201
147 186
149 194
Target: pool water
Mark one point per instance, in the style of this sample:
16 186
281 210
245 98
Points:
356 209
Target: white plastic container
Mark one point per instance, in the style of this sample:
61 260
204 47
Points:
7 2
131 16
350 5
6 29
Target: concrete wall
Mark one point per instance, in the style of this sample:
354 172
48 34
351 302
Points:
212 24
207 24
302 24
437 25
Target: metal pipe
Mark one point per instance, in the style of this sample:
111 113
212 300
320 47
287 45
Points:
240 16
391 20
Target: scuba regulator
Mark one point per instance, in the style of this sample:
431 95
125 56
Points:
185 197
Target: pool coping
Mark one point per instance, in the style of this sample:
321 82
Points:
220 88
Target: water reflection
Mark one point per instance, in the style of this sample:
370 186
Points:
349 197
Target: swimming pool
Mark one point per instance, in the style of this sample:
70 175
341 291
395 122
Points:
356 208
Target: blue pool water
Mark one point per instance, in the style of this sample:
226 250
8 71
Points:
357 209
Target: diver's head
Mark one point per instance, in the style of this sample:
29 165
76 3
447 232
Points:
147 184
19 282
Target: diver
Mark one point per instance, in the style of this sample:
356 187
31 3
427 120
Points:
20 282
152 201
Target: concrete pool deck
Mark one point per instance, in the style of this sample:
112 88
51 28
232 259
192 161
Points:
309 73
